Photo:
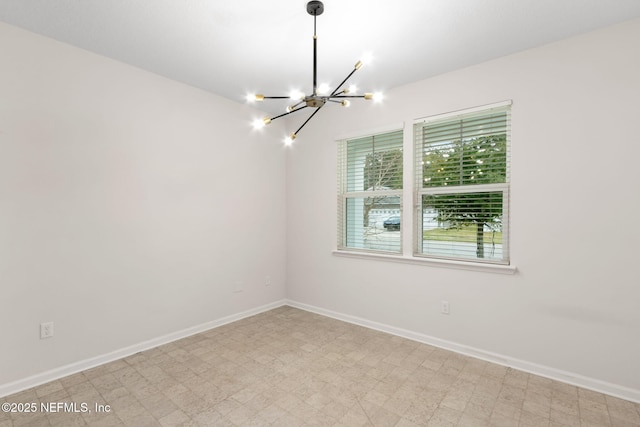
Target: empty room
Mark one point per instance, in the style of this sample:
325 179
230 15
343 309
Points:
319 213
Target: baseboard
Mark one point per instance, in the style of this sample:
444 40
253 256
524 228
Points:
544 371
73 368
522 365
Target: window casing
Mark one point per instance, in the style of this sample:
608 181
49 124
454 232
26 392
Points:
370 173
462 185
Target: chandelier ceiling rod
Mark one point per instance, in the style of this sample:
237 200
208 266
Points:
315 100
315 8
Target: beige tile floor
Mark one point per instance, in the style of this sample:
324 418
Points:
288 367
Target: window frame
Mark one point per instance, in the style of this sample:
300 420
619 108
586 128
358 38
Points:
409 214
344 194
420 191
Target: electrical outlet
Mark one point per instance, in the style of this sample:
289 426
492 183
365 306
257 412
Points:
267 281
444 307
46 330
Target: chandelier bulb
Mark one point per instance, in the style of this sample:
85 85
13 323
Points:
260 123
324 88
289 139
345 103
358 65
296 95
376 97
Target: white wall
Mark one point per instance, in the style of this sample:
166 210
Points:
129 206
572 309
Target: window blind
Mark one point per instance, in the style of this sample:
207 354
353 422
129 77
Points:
370 192
462 177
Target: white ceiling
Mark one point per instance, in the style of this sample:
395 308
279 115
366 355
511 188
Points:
234 47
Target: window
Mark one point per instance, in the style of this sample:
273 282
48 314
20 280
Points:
370 193
462 183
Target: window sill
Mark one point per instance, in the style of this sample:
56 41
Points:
460 265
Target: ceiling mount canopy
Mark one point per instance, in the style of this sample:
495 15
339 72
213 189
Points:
315 8
320 95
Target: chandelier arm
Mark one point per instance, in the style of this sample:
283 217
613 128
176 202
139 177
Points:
276 97
309 118
343 82
293 107
287 113
346 96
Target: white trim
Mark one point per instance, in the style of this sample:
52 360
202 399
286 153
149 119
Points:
463 112
567 377
82 365
370 132
432 262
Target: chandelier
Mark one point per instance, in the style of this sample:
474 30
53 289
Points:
321 95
